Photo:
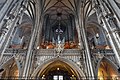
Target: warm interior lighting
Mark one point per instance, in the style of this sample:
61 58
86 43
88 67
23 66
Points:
47 47
106 71
100 78
78 63
107 47
67 46
43 77
16 73
97 35
79 44
58 68
38 47
117 78
114 76
72 75
50 46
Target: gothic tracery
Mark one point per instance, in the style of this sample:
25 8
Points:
76 37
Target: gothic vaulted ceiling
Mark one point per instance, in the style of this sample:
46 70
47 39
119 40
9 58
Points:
57 8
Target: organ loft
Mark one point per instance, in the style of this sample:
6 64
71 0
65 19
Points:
60 39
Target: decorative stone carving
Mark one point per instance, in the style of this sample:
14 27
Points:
59 48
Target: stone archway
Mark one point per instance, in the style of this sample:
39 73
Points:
11 69
106 69
59 64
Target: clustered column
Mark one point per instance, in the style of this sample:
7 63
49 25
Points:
10 22
108 22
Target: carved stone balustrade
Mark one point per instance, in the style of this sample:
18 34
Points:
18 54
42 55
101 53
11 51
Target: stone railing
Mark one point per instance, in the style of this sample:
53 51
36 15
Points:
108 53
52 52
65 52
103 52
10 50
75 55
43 55
10 53
70 52
45 52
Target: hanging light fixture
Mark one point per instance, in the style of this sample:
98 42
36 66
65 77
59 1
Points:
97 35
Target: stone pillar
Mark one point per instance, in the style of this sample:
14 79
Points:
66 34
5 10
113 28
70 30
104 18
7 27
10 26
112 41
87 54
47 29
115 8
51 34
109 13
73 27
79 34
31 47
86 46
40 35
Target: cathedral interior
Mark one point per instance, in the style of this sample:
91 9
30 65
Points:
60 39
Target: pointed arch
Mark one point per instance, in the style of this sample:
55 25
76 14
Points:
73 66
109 65
11 61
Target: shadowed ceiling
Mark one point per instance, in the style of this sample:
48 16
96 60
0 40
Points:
59 8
